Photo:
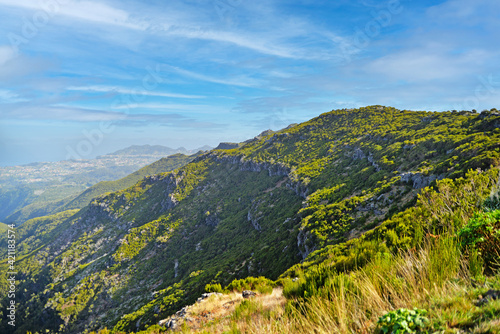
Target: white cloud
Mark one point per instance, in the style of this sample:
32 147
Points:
256 43
427 64
241 81
453 10
273 38
60 113
167 106
84 10
127 91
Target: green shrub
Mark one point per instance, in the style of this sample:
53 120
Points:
482 234
213 288
403 321
261 284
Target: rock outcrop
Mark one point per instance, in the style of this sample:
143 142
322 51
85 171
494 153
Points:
419 180
248 294
227 146
302 243
358 154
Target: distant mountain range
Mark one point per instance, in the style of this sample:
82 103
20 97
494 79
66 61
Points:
155 150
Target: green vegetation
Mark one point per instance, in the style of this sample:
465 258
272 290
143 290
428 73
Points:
355 213
245 310
27 196
260 284
163 165
403 321
482 236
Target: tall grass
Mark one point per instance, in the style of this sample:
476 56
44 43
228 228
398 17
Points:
352 303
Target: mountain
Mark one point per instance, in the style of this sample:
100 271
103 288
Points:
37 210
305 206
155 150
163 165
38 189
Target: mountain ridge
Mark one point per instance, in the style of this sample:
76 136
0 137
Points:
155 150
259 209
41 188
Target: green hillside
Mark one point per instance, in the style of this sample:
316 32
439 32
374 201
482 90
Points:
50 201
3 227
315 207
163 165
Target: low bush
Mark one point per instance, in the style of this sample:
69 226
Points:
261 284
482 235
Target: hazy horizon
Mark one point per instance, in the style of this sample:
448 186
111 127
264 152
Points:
86 78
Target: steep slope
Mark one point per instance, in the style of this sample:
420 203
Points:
135 256
45 207
163 165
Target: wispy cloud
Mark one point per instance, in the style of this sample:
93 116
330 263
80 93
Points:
268 64
184 108
255 43
242 81
60 113
428 64
266 42
7 96
91 11
139 91
468 12
171 120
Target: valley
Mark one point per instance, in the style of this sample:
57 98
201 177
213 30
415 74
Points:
320 211
38 189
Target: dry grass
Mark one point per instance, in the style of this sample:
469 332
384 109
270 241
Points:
435 278
357 300
217 313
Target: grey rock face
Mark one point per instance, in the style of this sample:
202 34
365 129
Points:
176 268
253 166
212 220
302 239
254 221
419 180
299 189
372 161
357 154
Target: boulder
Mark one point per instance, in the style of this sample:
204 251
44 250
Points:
488 296
248 294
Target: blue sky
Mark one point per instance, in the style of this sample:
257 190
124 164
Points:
84 78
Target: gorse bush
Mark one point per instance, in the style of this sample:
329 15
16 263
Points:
261 284
213 288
